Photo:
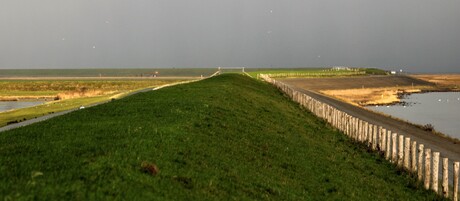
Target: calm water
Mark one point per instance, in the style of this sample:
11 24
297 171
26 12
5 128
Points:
9 105
440 109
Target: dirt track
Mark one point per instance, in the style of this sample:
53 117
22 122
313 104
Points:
446 147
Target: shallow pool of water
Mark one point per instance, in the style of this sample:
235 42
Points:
440 109
10 105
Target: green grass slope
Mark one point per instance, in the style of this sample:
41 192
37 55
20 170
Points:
228 137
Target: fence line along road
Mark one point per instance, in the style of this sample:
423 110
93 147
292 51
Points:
403 148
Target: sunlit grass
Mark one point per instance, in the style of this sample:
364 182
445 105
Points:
225 138
70 90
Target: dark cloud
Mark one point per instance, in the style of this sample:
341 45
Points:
417 35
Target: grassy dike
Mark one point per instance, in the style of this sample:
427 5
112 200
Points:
225 137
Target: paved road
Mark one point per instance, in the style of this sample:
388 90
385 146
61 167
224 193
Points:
49 116
446 147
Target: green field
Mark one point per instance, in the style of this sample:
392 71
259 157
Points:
314 72
54 87
108 72
229 137
71 94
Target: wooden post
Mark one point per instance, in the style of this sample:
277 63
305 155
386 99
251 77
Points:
371 135
374 138
339 120
360 129
413 150
393 149
366 133
384 140
334 118
400 150
388 152
427 168
407 153
379 140
456 173
348 125
351 127
445 177
356 128
420 162
434 185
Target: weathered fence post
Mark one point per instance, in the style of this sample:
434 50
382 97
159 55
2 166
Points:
374 138
388 152
456 173
340 120
360 130
379 140
420 162
445 177
366 133
356 128
435 171
371 135
414 156
407 153
349 125
427 168
393 149
384 140
401 150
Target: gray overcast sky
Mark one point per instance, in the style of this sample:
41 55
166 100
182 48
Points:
417 35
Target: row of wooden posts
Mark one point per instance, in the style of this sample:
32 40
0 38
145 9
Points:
400 150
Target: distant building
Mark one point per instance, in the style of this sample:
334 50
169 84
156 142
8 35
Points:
393 72
341 68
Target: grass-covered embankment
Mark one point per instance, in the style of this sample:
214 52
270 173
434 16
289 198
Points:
228 136
71 94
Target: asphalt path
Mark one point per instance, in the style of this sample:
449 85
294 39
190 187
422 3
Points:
446 147
436 143
49 116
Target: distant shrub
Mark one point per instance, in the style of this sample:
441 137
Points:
428 127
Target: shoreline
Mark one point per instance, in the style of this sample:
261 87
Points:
395 100
434 132
400 95
408 93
